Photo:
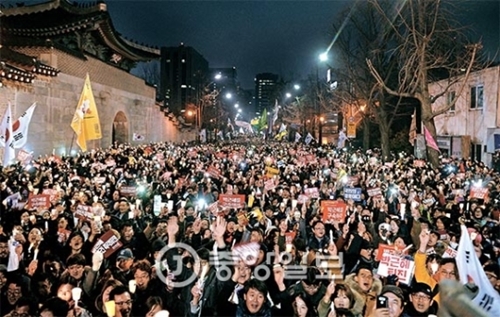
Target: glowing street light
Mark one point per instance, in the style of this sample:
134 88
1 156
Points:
236 105
239 110
323 57
229 95
288 95
218 76
296 86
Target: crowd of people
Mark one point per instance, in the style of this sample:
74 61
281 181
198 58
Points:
247 228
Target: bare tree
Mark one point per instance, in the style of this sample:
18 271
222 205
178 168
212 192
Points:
360 35
428 45
150 72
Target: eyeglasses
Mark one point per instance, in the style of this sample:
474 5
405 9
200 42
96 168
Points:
421 297
14 291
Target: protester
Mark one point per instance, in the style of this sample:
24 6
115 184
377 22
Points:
243 228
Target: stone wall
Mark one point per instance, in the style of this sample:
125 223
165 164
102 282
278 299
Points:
114 91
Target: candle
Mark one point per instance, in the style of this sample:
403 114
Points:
331 236
35 254
76 294
132 285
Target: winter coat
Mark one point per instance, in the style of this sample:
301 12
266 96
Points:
359 294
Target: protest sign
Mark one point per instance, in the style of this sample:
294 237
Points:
269 185
271 171
393 264
214 208
374 192
352 193
478 192
107 244
14 201
389 249
302 199
52 193
232 201
450 253
24 157
333 211
84 213
312 192
39 201
100 180
128 191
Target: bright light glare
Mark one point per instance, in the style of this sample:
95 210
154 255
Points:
323 56
229 95
239 110
296 87
236 105
218 76
288 95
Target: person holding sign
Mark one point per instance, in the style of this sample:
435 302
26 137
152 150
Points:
447 267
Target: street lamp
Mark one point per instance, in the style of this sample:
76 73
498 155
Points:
323 56
229 95
236 106
288 95
296 86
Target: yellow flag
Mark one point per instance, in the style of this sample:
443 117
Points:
86 122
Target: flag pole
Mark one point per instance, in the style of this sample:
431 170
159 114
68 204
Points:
71 144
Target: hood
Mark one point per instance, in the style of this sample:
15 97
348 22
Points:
359 295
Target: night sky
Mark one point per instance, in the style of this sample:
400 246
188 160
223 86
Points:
283 37
280 36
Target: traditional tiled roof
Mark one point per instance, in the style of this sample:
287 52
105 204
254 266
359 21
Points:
15 66
60 17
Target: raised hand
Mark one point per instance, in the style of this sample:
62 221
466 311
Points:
196 291
219 227
279 276
172 227
424 240
330 289
197 226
